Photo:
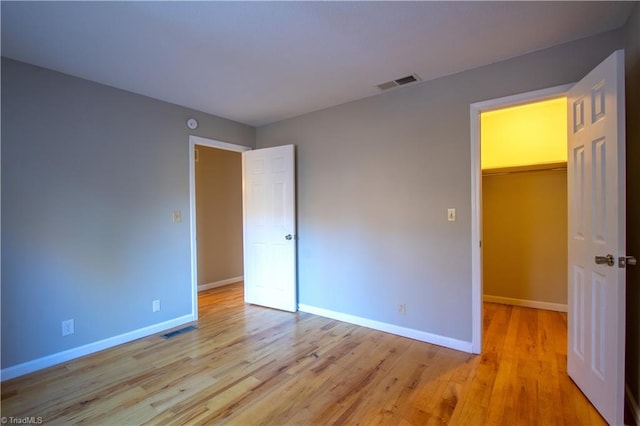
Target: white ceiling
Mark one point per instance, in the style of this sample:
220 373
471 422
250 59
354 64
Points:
260 62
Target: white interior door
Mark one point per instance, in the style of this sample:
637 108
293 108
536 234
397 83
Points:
596 188
268 197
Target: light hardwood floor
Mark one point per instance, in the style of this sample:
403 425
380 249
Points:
247 365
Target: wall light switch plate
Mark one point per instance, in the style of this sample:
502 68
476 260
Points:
177 216
155 306
451 215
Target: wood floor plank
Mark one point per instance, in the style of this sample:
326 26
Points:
247 365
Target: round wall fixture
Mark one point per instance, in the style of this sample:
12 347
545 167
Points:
192 123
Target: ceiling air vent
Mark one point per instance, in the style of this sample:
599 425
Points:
398 82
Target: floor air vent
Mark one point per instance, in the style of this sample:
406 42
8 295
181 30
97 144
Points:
398 82
178 332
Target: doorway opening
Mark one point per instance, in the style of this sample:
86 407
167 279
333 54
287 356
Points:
500 168
215 192
595 349
524 205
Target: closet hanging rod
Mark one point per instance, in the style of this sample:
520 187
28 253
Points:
498 172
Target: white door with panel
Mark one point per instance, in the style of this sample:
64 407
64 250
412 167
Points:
268 197
596 188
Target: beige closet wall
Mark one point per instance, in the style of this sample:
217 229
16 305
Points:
218 214
525 235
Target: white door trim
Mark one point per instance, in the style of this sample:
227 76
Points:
211 143
476 194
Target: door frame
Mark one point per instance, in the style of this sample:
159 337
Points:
210 143
476 194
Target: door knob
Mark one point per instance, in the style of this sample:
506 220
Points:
605 260
624 261
289 237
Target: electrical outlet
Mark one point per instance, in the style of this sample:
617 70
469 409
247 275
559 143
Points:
155 306
68 327
177 216
402 309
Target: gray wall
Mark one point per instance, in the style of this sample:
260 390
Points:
90 178
219 214
632 61
375 179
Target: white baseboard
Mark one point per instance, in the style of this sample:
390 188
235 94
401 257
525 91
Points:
220 283
633 405
526 303
60 357
411 333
